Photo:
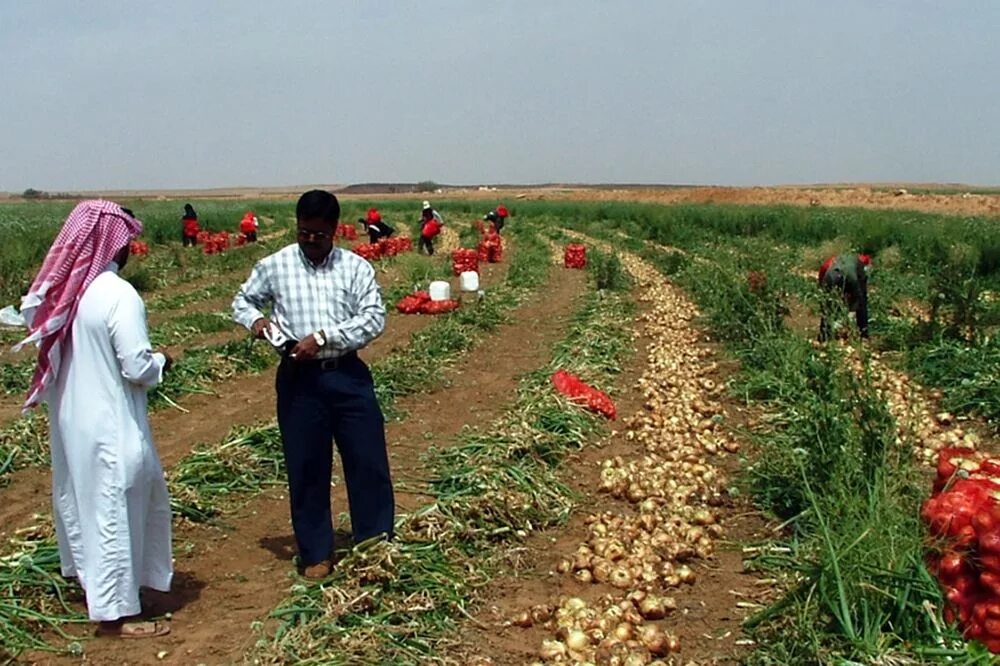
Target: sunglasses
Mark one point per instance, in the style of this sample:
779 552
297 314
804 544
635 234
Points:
306 234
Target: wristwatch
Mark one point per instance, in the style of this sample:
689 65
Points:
318 337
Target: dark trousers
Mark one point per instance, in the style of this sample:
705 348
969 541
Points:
251 236
427 244
316 406
189 240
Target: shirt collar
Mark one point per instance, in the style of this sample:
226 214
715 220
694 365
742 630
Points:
326 263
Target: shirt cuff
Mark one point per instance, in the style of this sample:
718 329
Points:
161 362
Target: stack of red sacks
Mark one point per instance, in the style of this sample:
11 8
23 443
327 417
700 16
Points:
964 514
419 302
214 243
575 256
491 247
138 248
385 247
576 390
347 232
370 251
390 247
464 259
241 240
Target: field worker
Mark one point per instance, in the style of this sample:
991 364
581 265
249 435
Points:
95 365
327 300
377 229
248 226
189 226
847 276
494 220
430 226
502 213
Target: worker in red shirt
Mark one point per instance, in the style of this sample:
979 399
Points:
248 227
502 214
847 276
189 226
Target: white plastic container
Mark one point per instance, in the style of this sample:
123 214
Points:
439 290
469 281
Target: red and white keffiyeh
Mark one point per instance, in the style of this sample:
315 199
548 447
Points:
90 238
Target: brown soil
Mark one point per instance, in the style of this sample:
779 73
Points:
234 577
860 196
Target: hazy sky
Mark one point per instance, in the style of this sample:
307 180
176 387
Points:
109 94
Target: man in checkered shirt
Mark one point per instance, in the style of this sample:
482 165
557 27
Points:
326 303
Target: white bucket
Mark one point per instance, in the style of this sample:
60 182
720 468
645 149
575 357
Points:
440 290
469 280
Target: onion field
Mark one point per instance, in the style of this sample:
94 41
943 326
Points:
756 500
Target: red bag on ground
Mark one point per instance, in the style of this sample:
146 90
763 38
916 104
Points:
963 512
390 247
413 303
439 307
575 256
464 259
572 387
491 248
369 251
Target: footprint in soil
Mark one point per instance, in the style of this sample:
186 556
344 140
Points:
283 546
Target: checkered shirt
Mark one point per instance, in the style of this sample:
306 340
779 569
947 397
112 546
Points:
339 297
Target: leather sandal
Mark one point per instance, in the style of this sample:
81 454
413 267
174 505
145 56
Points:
141 629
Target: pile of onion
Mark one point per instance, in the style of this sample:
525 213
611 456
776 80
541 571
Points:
671 490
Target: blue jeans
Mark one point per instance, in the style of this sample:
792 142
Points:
316 406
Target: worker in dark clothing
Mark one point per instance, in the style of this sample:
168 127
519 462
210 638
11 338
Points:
189 226
494 220
847 276
430 226
377 229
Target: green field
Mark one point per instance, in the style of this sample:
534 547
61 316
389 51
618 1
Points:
826 463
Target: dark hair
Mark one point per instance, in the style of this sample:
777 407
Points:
189 212
318 205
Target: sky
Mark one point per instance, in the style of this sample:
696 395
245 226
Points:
109 94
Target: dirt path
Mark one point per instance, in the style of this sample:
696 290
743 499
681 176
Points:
233 578
709 613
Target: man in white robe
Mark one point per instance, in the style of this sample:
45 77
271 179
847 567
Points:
112 512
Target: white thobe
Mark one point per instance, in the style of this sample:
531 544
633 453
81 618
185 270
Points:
112 512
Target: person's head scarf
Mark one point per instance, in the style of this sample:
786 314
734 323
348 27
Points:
90 238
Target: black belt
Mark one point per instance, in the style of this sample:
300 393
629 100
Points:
325 363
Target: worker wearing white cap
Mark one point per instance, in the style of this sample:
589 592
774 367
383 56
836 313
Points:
430 226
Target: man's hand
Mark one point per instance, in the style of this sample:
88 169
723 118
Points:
258 327
306 349
168 363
